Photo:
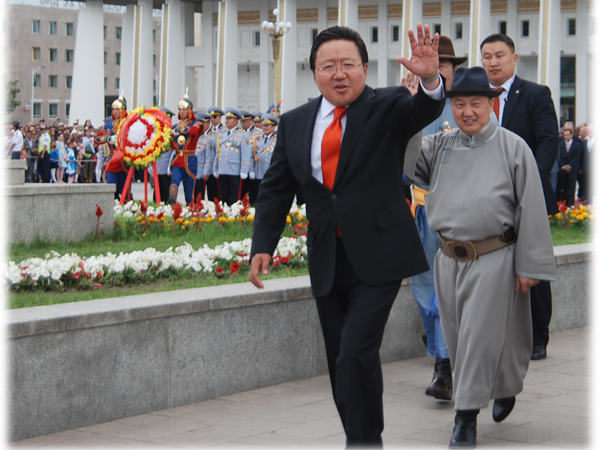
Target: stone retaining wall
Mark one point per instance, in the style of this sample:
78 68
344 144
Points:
64 212
84 363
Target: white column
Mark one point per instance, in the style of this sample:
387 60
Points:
348 13
446 20
412 14
549 49
206 96
479 26
266 86
227 55
512 21
87 91
289 56
582 61
137 54
383 64
172 52
189 62
127 44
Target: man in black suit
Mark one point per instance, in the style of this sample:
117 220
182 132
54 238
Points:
569 159
527 109
362 239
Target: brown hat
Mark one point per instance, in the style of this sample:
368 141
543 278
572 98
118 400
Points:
446 51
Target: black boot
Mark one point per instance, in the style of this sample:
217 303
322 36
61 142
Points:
502 408
464 433
173 190
441 384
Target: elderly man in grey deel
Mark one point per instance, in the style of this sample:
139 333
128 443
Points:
487 205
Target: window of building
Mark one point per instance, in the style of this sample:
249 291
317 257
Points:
154 85
52 81
525 28
118 58
69 82
104 31
35 26
567 87
458 30
153 35
52 110
572 27
395 33
118 32
52 27
374 35
502 27
53 54
153 61
117 83
313 36
69 55
37 110
67 109
37 80
105 83
257 38
35 53
69 29
105 58
437 28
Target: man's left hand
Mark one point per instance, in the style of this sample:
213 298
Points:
424 61
524 284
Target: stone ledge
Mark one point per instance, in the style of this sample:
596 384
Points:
61 189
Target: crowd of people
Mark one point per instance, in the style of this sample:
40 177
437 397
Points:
215 160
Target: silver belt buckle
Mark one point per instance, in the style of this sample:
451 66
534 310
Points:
462 251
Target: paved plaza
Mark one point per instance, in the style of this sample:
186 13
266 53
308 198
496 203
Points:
553 411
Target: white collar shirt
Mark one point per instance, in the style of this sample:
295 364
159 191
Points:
504 95
325 117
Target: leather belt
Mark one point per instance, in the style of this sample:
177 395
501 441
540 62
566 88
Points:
469 250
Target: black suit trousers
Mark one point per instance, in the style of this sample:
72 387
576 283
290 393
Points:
353 317
565 186
541 312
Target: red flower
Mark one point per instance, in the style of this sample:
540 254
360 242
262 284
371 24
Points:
235 267
219 270
98 284
177 209
143 207
562 206
160 216
77 275
99 211
218 208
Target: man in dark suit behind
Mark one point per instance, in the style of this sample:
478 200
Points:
361 238
570 152
527 109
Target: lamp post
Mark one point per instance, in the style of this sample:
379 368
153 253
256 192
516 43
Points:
33 71
276 31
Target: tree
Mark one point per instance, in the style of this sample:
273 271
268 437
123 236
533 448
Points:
11 96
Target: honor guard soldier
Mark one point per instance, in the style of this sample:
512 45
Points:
247 123
262 147
257 120
228 160
114 166
204 148
212 186
162 166
184 162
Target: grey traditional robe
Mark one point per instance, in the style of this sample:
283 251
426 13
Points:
480 187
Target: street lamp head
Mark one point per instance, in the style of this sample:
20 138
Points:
265 25
271 26
276 11
288 25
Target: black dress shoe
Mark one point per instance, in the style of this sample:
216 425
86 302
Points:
539 352
464 434
441 384
502 408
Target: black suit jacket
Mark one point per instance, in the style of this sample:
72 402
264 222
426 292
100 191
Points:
573 158
529 112
367 200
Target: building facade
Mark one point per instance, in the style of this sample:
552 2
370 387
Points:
219 50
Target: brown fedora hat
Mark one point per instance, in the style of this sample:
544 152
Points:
446 51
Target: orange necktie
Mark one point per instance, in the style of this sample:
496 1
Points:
496 102
331 145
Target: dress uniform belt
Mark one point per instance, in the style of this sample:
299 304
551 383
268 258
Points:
469 250
186 152
418 198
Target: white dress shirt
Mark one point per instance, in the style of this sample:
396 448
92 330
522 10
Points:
324 119
503 96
